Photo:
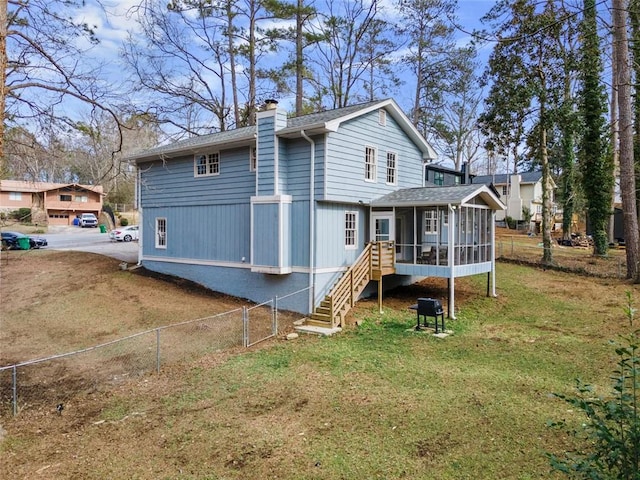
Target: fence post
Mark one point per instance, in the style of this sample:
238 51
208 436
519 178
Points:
158 350
274 316
14 374
245 327
512 246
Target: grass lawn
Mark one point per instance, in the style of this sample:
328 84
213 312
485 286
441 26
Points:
379 401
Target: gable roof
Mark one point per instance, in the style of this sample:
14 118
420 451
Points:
504 178
438 196
23 186
312 124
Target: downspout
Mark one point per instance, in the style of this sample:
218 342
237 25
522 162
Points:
312 229
140 215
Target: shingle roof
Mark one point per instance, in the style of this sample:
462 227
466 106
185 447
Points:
320 120
228 136
435 195
503 178
326 116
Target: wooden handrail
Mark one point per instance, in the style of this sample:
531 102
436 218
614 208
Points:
375 256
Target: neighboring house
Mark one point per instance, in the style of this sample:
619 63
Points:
519 191
443 177
291 204
51 203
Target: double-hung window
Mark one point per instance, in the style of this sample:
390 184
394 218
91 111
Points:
161 232
370 164
206 164
438 178
253 159
431 221
350 229
392 173
15 196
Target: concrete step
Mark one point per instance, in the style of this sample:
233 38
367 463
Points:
317 330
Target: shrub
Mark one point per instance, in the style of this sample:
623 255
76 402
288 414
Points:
611 432
124 222
23 215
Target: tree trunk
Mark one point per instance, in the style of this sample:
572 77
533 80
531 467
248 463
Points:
568 177
232 64
614 139
627 172
299 58
3 80
547 189
251 101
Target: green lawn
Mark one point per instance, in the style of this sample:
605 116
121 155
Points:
378 401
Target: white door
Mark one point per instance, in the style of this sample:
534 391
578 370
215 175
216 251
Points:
382 228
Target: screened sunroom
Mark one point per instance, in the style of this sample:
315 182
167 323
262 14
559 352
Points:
439 231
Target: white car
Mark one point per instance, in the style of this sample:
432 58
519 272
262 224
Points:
88 220
124 234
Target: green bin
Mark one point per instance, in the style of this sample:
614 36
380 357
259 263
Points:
23 243
103 228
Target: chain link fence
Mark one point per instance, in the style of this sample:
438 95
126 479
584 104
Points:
54 380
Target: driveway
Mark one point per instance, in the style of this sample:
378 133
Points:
90 240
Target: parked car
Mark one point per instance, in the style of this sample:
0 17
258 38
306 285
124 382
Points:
88 220
39 241
17 241
124 234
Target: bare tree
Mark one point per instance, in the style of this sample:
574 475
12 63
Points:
344 61
181 61
456 122
47 66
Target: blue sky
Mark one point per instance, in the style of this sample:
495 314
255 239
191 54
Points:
117 19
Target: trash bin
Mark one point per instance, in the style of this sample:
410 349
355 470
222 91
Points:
103 228
23 243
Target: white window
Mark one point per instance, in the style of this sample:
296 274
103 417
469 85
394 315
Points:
253 159
382 117
370 164
438 178
391 168
82 198
206 164
161 232
15 196
431 221
350 229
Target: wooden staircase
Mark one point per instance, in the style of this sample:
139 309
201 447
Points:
375 261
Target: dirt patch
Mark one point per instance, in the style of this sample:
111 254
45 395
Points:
118 324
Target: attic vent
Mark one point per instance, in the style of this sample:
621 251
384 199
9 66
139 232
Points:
382 117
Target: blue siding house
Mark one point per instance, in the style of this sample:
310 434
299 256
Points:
294 204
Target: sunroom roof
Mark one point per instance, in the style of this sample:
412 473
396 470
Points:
436 195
